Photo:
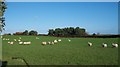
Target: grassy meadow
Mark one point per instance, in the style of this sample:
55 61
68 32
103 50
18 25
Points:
76 52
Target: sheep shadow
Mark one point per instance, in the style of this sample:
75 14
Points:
3 63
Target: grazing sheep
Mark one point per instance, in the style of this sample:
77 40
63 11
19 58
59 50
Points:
114 45
55 41
89 44
8 42
26 43
4 39
59 40
11 43
49 42
1 37
104 45
69 40
15 40
20 43
52 43
37 38
44 43
19 40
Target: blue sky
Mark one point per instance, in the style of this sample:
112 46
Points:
95 17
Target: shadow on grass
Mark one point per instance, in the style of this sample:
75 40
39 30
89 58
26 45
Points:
4 63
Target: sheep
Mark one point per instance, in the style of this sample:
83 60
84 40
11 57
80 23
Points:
15 40
1 37
8 42
59 40
90 44
4 39
114 45
26 43
55 41
19 40
44 43
49 42
104 45
69 40
11 43
52 43
37 38
20 43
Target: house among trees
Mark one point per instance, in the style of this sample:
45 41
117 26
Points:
18 33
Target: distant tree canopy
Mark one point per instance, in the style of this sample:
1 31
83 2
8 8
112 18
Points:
32 32
26 32
69 31
2 10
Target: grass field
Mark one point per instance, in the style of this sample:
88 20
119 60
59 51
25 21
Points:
76 52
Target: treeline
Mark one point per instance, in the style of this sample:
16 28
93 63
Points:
67 32
26 32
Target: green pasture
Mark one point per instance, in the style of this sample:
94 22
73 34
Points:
76 52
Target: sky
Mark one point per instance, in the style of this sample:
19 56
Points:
95 17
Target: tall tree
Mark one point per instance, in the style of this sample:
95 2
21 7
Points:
51 32
32 32
2 10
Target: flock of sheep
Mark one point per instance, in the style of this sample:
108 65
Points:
104 44
20 42
53 42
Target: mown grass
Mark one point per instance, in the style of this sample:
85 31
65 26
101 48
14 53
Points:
76 52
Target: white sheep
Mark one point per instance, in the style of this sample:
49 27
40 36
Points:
114 45
49 42
52 43
29 43
55 41
20 43
59 40
26 43
37 38
104 45
69 40
4 39
1 37
11 43
90 44
19 40
44 43
8 42
15 40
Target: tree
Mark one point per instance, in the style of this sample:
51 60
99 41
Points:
77 31
2 10
69 31
93 34
26 32
32 32
51 32
58 32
